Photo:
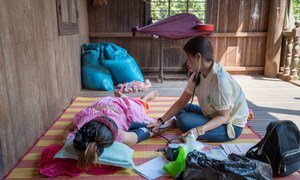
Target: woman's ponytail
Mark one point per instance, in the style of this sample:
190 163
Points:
89 155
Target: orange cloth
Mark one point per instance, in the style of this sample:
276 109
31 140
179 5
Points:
251 115
145 104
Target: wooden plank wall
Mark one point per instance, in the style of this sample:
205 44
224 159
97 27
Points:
39 72
248 19
239 39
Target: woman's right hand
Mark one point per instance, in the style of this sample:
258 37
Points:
154 126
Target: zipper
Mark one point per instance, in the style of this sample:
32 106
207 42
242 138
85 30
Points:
291 153
279 168
280 163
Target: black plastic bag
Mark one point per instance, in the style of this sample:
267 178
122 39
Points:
199 166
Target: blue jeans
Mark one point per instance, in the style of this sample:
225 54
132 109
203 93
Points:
192 116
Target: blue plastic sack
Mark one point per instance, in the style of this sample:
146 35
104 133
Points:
90 57
94 46
96 77
121 65
112 51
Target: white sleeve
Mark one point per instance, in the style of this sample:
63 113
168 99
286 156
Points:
222 94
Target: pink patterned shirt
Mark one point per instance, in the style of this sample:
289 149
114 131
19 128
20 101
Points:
123 110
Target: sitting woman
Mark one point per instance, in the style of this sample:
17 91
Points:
222 111
107 120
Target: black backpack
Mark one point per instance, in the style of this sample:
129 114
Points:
280 147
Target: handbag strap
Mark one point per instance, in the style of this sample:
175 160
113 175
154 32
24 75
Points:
266 137
260 145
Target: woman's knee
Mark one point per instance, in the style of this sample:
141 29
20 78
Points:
182 123
193 108
180 112
238 131
187 121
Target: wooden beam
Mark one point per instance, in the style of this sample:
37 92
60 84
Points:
244 68
166 69
240 34
274 39
227 68
116 35
214 35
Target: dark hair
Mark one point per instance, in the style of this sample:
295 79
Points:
91 138
202 45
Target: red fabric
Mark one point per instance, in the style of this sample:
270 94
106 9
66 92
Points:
179 26
51 167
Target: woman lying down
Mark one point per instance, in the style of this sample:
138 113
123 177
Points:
107 120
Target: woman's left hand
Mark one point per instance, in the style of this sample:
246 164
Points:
197 131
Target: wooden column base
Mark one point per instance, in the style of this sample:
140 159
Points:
284 77
293 78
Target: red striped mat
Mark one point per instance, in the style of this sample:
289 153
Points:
144 151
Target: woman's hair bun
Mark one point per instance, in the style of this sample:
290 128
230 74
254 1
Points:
91 132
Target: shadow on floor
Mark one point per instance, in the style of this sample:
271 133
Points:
262 116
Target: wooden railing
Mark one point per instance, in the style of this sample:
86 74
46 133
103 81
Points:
291 56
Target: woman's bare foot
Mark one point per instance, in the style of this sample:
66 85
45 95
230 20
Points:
119 94
150 96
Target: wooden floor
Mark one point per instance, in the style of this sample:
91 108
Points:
270 99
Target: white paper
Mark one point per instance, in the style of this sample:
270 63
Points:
152 169
215 153
239 148
198 145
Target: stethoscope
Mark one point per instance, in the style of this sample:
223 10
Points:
176 140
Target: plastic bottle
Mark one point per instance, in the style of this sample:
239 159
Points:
190 142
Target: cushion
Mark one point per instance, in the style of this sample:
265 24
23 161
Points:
118 154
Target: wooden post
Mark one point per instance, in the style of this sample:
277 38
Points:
161 61
282 54
296 53
288 55
274 39
1 161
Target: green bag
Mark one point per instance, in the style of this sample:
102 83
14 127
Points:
176 167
